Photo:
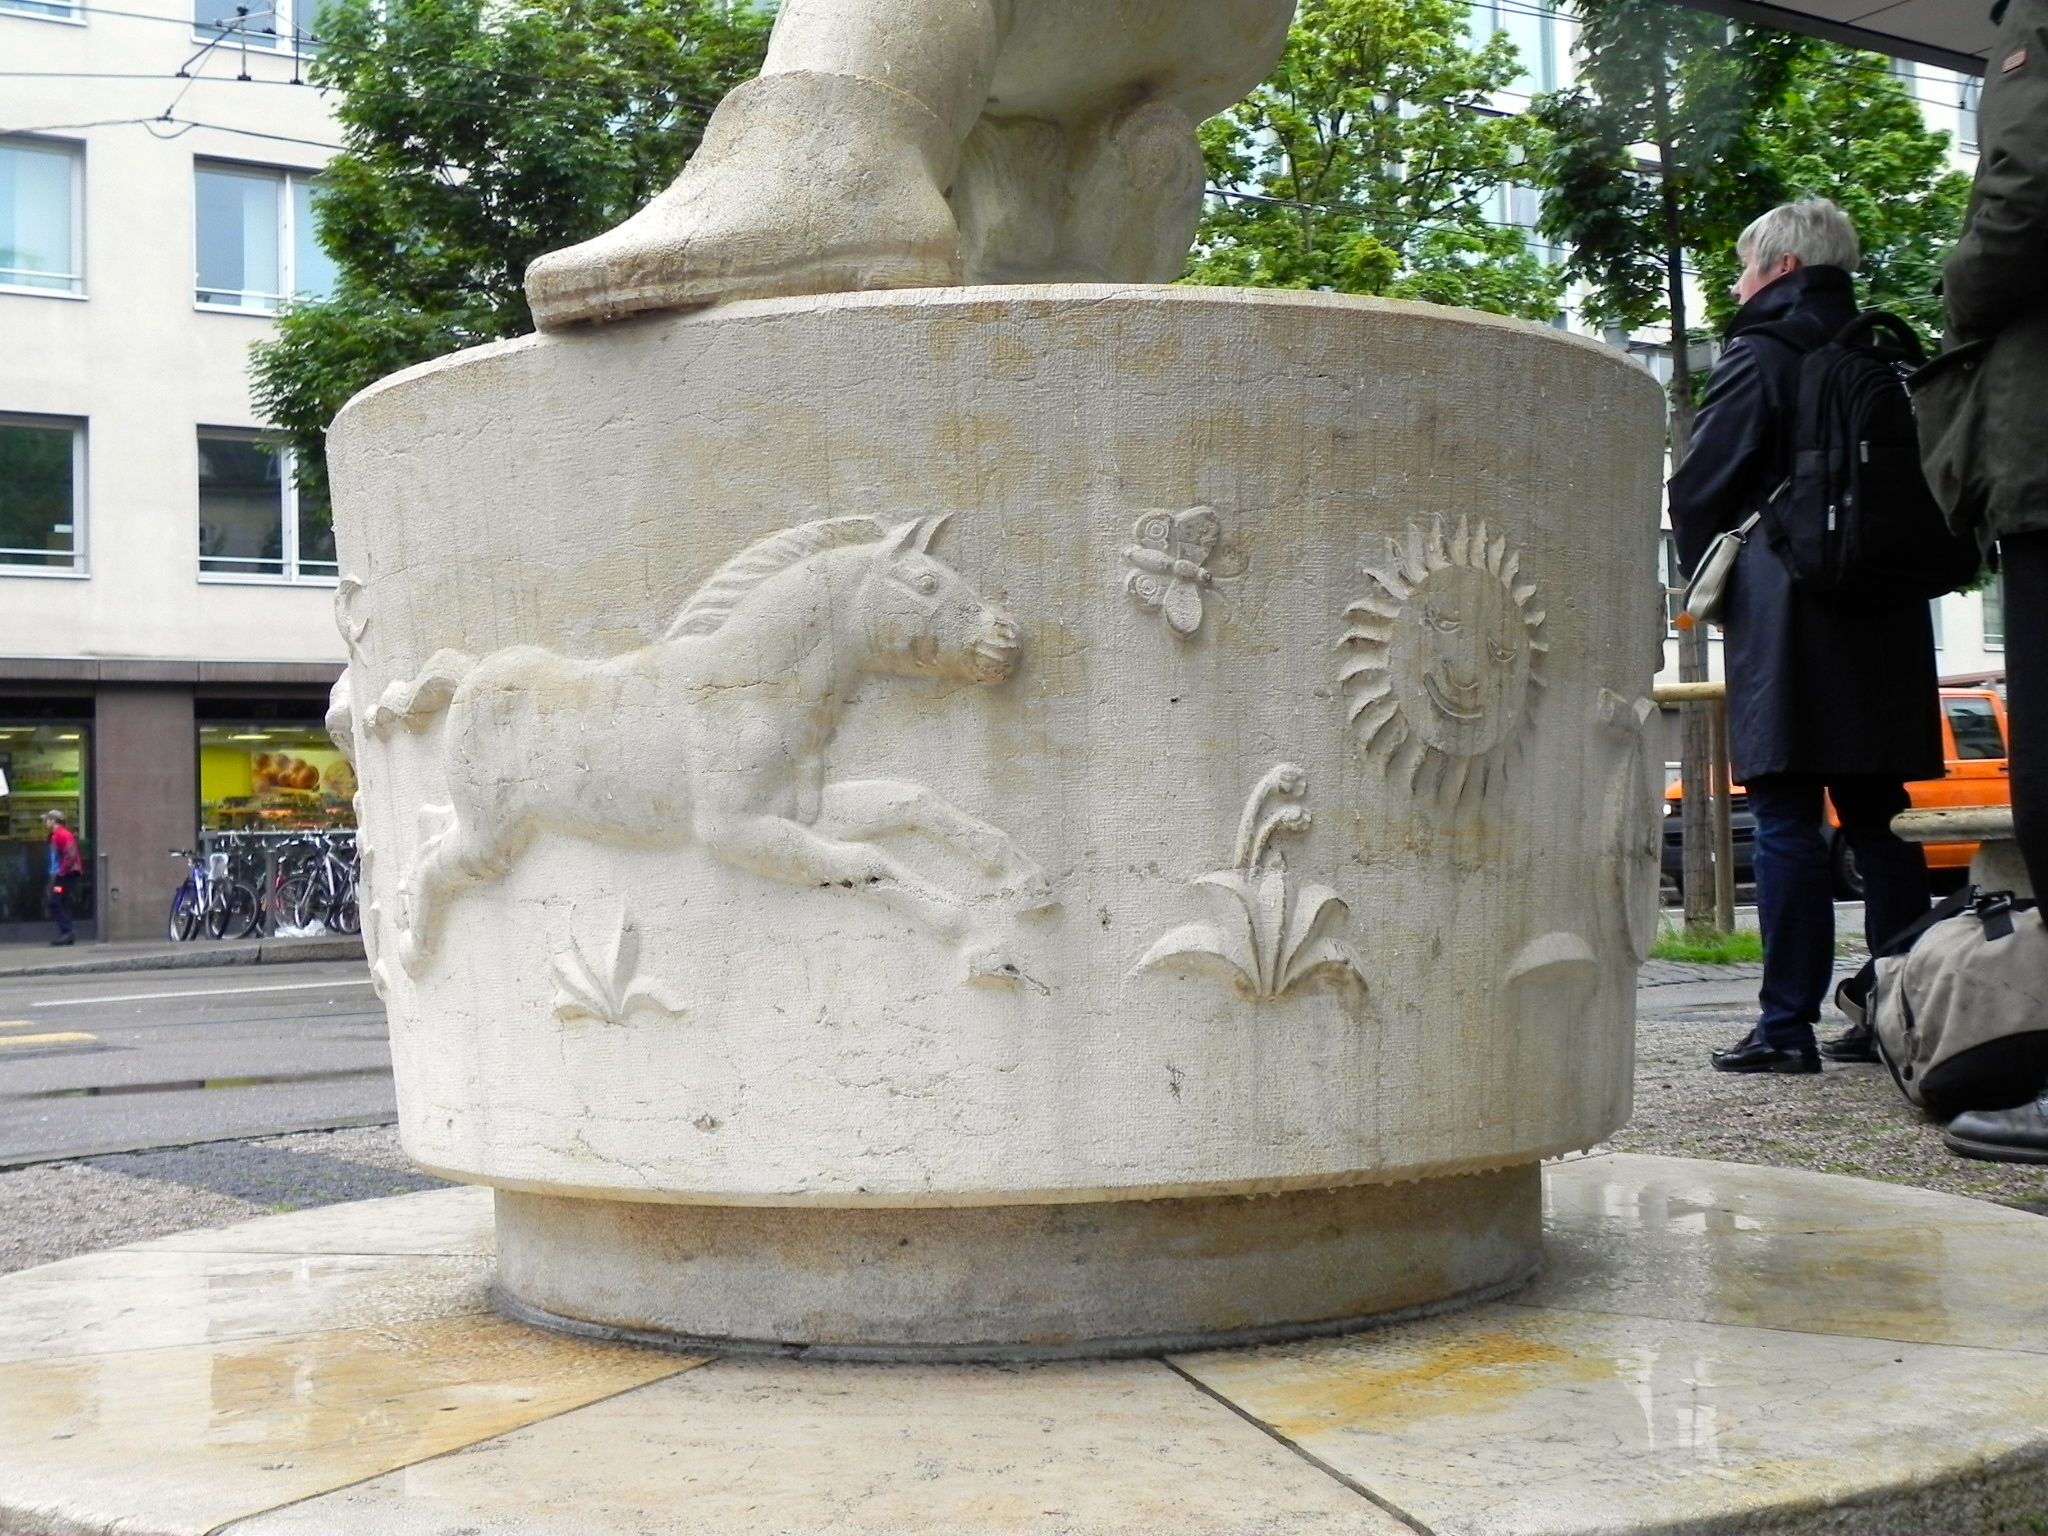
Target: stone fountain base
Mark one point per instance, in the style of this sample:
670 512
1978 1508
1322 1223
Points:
1016 1282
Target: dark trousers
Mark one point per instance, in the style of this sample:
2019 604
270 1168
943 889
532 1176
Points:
2024 560
58 904
1795 895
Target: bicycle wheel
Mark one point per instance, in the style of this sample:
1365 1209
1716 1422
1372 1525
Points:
185 914
216 909
297 900
345 916
244 914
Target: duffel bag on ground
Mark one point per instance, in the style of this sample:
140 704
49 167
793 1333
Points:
1962 1017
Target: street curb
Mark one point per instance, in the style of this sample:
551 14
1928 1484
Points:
199 957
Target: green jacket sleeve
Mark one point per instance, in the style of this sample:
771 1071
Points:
1999 268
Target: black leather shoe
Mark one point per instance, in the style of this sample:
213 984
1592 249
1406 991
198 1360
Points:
2001 1135
60 943
1753 1055
1859 1044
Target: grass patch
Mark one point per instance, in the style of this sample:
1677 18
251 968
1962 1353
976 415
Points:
1709 946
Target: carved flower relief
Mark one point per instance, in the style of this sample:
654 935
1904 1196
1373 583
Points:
608 988
1174 560
1443 660
1277 934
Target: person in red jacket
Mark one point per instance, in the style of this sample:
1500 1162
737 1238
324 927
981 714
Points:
65 868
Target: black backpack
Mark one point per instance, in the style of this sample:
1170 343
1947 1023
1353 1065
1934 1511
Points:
1854 514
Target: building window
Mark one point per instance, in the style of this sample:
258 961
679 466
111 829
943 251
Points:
1529 25
254 242
43 763
53 9
245 23
252 520
273 776
39 217
42 469
1993 600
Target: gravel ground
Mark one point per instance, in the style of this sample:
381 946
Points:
55 1210
1847 1120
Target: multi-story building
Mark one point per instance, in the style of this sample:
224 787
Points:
166 629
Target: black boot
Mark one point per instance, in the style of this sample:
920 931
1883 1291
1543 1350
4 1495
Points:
1751 1054
1858 1044
2002 1135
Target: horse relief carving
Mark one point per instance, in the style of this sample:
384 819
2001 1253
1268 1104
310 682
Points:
1173 563
1443 660
716 735
1275 936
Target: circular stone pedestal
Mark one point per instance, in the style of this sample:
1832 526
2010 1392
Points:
1006 750
1103 1278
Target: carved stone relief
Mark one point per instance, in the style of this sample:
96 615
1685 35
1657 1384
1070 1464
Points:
1635 825
1443 660
1276 935
610 987
1174 562
717 735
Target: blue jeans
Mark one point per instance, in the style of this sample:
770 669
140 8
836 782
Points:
57 902
1795 895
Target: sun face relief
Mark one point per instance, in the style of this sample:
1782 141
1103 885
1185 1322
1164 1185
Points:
1443 657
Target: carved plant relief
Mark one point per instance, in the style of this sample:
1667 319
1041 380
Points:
717 735
1443 659
1172 564
608 988
1274 935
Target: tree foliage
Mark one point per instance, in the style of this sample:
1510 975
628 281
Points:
1365 161
1657 155
1847 128
478 134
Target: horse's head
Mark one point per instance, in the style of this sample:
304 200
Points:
923 619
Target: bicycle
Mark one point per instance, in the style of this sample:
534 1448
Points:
209 901
316 884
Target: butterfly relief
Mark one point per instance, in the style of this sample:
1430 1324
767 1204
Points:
1173 563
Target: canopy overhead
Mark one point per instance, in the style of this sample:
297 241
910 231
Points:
1955 34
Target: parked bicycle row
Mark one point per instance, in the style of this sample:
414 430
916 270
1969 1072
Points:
267 884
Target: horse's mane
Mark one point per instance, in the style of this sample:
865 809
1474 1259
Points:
713 603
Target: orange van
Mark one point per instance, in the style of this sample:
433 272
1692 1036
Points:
1973 741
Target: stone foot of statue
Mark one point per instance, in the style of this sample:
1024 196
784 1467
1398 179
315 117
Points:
805 183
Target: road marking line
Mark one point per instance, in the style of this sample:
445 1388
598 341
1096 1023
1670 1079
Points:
19 1024
157 997
67 1037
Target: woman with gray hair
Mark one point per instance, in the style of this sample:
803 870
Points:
1830 696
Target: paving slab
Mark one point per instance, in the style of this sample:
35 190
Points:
744 1446
1710 1347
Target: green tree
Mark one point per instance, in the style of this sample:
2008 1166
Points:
476 135
1656 157
1364 163
1847 128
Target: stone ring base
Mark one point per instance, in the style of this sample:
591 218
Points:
1018 1282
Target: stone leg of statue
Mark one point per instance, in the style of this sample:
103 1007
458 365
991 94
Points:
825 174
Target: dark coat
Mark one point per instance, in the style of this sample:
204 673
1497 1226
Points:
1996 281
1817 682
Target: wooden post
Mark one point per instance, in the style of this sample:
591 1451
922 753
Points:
1724 832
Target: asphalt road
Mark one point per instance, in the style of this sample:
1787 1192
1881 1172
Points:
106 1063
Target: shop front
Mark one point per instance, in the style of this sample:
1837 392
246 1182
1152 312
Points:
45 765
